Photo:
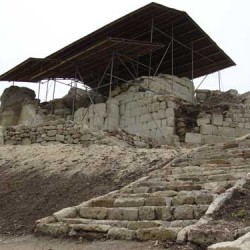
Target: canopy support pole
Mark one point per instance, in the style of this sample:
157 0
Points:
159 65
151 40
172 43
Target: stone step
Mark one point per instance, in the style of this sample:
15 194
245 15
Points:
97 231
208 178
181 208
209 169
161 198
131 225
217 187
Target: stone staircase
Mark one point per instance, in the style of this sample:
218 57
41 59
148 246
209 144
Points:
159 206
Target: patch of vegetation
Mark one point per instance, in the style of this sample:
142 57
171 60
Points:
241 213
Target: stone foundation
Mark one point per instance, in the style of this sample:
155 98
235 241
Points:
223 124
64 132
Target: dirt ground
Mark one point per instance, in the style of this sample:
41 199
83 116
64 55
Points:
30 242
39 180
43 243
237 209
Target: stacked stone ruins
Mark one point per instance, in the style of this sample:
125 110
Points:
162 110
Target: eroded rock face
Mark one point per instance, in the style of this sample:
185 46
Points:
79 96
12 101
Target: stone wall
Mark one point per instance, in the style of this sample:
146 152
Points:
221 126
61 131
143 107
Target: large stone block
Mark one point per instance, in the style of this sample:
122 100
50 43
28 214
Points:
193 138
227 131
206 129
123 214
147 213
156 201
129 202
135 225
69 212
169 112
203 121
242 131
217 119
171 121
211 139
60 138
100 109
121 234
157 233
184 212
204 199
164 213
183 199
99 213
54 229
166 131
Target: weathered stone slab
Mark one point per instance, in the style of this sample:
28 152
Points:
158 233
204 199
130 214
164 213
183 199
147 213
206 129
134 225
104 202
99 213
129 202
184 212
193 138
69 212
55 229
90 228
121 234
227 131
203 121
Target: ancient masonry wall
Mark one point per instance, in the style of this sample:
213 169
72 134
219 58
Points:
221 127
145 108
64 132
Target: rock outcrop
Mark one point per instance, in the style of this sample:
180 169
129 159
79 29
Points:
12 101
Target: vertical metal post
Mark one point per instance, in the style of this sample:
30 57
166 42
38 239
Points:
192 63
39 86
137 66
219 79
111 74
54 90
13 83
192 74
172 59
151 40
73 101
47 89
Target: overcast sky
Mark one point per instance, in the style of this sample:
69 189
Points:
37 28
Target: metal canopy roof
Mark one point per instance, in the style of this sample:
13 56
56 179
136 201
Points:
146 31
93 59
